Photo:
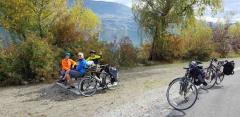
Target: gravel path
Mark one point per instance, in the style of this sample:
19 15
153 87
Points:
141 93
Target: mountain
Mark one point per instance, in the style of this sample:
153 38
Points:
117 20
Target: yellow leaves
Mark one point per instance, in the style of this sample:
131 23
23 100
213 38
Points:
234 30
86 20
39 16
86 17
197 35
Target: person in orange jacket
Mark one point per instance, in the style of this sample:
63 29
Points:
66 65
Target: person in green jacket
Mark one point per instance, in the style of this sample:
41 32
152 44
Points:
94 57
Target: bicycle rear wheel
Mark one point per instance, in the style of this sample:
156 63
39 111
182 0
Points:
220 79
181 94
87 86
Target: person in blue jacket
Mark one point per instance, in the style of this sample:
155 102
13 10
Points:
78 72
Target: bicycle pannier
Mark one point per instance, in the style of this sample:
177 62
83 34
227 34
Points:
228 68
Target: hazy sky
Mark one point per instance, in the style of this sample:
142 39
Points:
125 2
229 5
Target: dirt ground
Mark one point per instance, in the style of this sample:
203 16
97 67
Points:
139 90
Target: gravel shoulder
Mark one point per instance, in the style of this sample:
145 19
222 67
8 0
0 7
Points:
141 93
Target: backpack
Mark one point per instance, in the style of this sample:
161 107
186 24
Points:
228 68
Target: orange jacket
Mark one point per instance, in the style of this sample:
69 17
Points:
67 64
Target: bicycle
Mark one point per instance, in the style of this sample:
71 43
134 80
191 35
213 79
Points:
182 92
221 73
98 78
212 74
215 70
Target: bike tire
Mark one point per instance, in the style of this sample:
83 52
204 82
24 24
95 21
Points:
179 80
220 79
85 82
211 81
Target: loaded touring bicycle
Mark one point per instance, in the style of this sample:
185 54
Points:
98 77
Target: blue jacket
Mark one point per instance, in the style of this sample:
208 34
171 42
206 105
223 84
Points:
82 66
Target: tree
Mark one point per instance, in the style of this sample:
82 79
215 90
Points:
154 16
78 24
24 16
15 16
234 33
45 12
198 43
87 21
221 39
234 30
221 35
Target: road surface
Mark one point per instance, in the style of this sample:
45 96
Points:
141 93
221 101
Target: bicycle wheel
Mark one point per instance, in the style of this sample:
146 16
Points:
87 86
210 79
181 94
220 79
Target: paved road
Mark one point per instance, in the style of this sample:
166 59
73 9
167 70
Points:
221 101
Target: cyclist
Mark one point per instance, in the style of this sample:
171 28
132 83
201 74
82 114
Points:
94 57
78 72
66 65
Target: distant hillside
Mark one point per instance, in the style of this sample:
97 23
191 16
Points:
117 20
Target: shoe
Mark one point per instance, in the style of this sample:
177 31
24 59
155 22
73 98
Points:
60 81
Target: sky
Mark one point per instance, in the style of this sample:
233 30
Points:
229 6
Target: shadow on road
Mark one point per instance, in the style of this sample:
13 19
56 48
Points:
176 113
202 91
217 87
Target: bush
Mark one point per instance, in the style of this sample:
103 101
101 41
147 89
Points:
127 52
144 53
111 53
31 61
8 58
36 60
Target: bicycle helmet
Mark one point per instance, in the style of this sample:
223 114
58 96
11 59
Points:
92 52
68 54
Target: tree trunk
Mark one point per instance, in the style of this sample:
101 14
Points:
158 36
40 27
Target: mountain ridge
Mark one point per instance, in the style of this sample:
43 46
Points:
117 21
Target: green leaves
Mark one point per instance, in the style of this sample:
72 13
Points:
155 16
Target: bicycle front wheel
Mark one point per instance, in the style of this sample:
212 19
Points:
181 94
87 86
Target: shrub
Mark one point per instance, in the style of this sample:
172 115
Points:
36 59
8 58
111 53
144 52
127 52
